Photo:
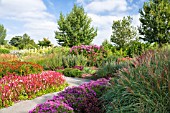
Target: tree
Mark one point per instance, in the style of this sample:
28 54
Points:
45 42
122 32
75 28
16 41
2 35
23 42
155 21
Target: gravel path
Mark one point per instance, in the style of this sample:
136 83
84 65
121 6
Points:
25 106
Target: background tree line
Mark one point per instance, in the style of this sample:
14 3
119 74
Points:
75 29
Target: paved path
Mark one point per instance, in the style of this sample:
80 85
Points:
25 106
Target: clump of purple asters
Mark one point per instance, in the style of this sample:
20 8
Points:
81 99
52 107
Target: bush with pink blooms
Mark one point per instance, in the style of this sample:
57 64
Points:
82 99
94 53
14 88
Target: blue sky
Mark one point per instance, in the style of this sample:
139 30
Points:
38 18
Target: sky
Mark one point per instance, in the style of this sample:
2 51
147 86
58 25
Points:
38 18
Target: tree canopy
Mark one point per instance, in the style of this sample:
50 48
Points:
155 21
22 42
75 28
45 42
122 32
2 35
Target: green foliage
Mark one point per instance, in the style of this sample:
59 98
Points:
45 42
2 35
88 70
4 51
75 29
155 21
110 69
74 60
122 32
60 70
70 72
135 48
23 42
143 88
65 50
58 60
107 47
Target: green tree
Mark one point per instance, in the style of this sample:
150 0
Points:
75 28
2 35
122 32
23 42
155 21
16 41
45 42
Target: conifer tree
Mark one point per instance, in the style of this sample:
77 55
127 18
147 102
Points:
2 35
75 28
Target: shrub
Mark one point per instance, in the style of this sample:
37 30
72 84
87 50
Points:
94 53
70 61
60 70
65 50
82 99
143 88
110 70
19 68
52 107
70 72
89 72
14 88
4 51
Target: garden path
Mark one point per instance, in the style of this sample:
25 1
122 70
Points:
25 106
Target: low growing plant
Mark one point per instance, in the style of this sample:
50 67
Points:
4 51
81 99
52 107
19 68
14 88
71 72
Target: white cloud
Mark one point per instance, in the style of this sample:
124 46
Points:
104 25
135 21
104 12
98 6
37 22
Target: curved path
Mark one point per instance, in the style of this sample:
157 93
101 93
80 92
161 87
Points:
25 106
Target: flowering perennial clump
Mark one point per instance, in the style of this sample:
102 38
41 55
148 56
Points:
52 107
19 68
14 88
94 53
82 99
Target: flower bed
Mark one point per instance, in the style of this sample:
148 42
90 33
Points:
82 99
14 88
19 68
